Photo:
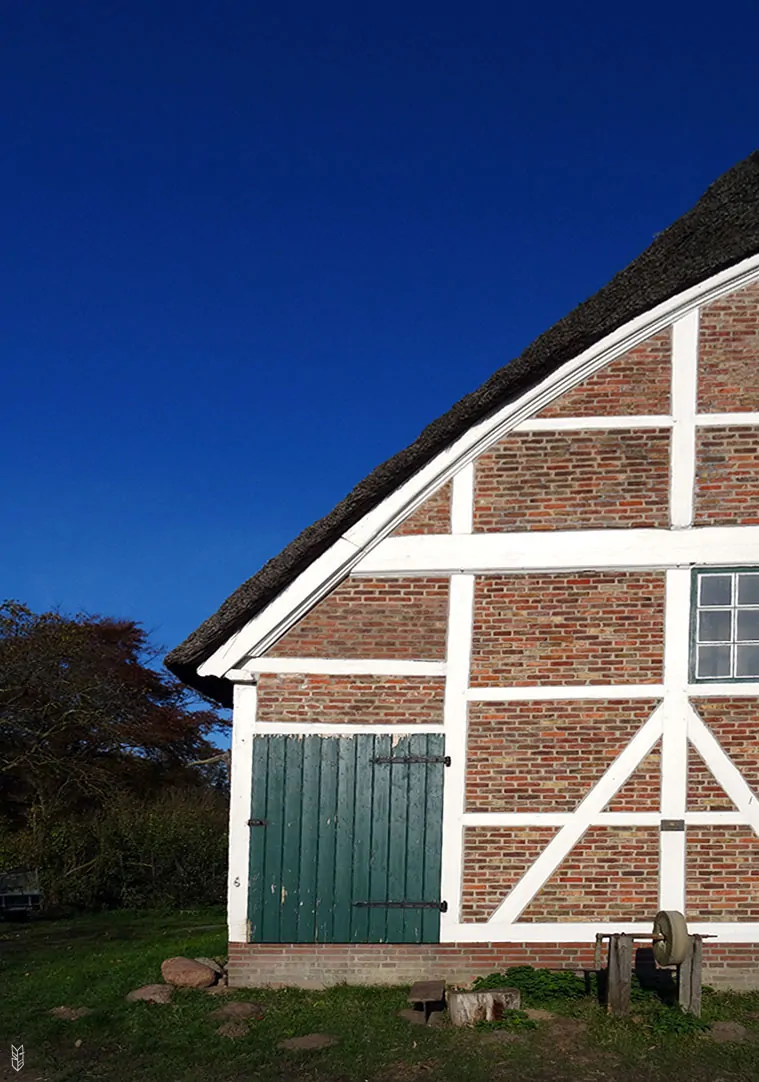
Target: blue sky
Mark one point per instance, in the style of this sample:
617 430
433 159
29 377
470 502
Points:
249 250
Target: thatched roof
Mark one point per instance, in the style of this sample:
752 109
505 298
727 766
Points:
720 230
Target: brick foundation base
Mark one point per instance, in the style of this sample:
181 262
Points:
318 965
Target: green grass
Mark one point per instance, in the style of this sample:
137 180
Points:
94 961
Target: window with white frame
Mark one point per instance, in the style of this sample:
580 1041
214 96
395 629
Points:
726 624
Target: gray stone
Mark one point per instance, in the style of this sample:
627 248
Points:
152 993
437 1018
240 1009
232 1029
70 1014
310 1041
212 964
187 973
410 1015
728 1032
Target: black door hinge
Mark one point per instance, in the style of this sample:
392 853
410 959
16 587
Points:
258 822
442 906
403 759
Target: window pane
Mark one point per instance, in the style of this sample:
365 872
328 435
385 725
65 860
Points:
713 661
714 625
715 589
747 661
748 589
748 624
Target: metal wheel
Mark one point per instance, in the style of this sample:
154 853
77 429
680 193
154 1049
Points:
671 938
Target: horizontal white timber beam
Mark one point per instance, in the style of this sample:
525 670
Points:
337 667
547 692
738 689
724 420
302 728
561 550
577 424
603 819
520 932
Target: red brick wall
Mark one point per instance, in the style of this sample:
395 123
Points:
590 627
642 790
728 377
545 756
433 516
319 965
573 481
722 873
704 792
373 618
735 724
637 382
611 874
361 700
727 476
495 859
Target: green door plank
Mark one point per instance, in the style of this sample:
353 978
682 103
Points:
325 874
273 833
362 837
289 900
309 848
342 911
415 839
258 810
397 851
433 841
340 829
378 861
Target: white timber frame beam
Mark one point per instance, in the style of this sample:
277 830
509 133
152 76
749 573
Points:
240 793
337 667
683 442
263 630
562 550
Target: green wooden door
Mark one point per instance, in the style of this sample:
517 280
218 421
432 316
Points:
333 825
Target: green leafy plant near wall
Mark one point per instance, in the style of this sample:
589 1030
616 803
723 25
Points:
538 986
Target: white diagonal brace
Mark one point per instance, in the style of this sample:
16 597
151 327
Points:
597 799
724 769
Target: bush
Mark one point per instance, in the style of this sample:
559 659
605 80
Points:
168 851
536 985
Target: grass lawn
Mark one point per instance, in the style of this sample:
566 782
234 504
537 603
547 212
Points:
94 961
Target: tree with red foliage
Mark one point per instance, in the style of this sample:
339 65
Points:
83 715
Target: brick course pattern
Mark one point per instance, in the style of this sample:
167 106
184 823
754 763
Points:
722 873
611 874
728 376
735 724
433 516
704 791
727 476
637 382
319 965
364 700
573 481
374 618
545 756
590 627
495 858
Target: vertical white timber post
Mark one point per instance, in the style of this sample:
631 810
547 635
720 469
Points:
674 753
682 472
240 783
674 744
458 657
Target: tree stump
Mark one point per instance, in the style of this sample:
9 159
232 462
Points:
466 1008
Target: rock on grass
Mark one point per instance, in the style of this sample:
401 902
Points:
187 973
310 1041
152 993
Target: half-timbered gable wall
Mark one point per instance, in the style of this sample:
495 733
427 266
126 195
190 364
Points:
536 609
